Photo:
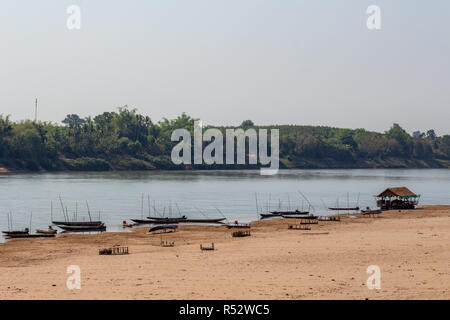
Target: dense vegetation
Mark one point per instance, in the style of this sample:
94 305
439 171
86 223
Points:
126 140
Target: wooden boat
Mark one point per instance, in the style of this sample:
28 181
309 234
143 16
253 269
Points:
273 214
101 227
164 221
14 232
303 216
269 215
167 218
143 221
17 236
49 231
78 223
171 227
217 220
300 216
345 209
285 213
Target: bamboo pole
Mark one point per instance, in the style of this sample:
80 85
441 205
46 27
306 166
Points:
142 206
89 211
257 211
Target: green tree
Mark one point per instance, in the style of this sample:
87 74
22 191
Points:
431 135
73 120
247 123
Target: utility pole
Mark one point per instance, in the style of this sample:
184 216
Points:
35 110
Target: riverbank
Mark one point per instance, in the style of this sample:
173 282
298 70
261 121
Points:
327 262
128 163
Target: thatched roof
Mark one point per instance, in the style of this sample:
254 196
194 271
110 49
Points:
397 192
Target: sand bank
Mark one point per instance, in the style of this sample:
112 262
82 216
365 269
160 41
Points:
328 262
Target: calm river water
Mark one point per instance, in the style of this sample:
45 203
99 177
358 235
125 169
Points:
118 195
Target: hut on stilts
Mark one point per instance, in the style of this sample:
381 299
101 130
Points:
397 198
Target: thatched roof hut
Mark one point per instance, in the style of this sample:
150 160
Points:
401 192
397 198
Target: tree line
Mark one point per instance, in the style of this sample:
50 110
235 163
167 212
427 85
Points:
127 140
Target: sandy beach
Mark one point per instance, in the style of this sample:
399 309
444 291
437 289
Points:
327 262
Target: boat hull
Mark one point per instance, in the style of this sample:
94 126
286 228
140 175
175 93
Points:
46 231
204 220
269 215
15 232
167 218
83 228
78 223
298 217
23 236
142 221
172 227
286 213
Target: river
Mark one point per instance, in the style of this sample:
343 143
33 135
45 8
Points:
118 195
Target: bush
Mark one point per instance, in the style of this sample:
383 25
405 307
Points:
163 162
88 164
134 164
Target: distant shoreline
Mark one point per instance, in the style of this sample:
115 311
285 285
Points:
7 170
126 140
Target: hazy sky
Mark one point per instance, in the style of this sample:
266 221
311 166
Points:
272 61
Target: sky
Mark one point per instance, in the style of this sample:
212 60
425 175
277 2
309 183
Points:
275 62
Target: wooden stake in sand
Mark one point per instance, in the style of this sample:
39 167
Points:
203 248
116 250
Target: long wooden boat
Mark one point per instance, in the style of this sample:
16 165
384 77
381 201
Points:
345 209
17 236
152 221
299 216
13 232
285 213
171 221
78 223
273 214
142 221
83 228
216 220
167 218
269 215
171 227
24 231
